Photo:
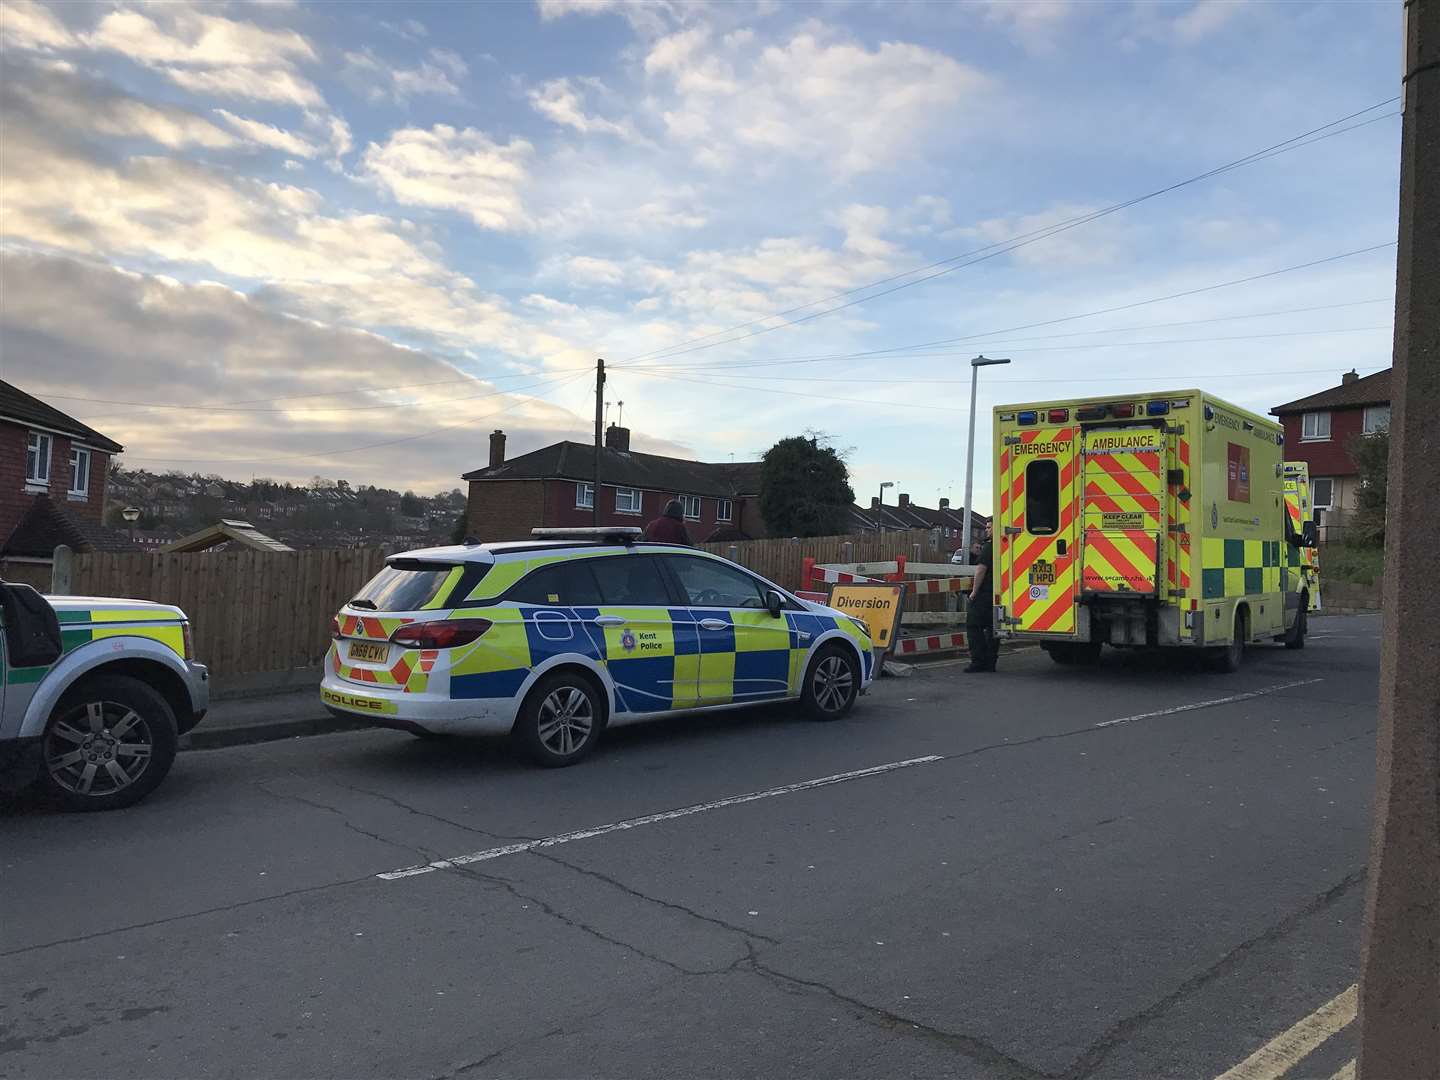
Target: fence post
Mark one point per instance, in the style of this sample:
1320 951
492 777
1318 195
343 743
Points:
734 553
916 549
847 552
62 572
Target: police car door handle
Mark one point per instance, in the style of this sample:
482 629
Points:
609 620
714 624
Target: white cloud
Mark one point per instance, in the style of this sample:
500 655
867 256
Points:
92 330
378 79
448 169
562 102
273 137
210 54
814 96
28 25
1204 18
55 94
1102 242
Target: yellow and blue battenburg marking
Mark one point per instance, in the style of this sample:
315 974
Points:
659 659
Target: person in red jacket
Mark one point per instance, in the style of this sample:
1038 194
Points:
669 528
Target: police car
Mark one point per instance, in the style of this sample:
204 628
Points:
551 640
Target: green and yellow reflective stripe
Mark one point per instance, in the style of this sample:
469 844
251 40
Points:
133 615
442 595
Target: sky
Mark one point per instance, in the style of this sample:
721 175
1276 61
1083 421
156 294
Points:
349 240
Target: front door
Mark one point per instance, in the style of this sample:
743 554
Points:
1035 543
1123 520
744 650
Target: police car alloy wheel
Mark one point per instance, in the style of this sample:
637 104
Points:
109 743
832 683
561 719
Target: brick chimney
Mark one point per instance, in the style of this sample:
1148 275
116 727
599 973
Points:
497 448
904 502
617 438
944 504
874 502
1349 377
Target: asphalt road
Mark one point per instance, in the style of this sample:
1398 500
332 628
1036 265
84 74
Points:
1045 893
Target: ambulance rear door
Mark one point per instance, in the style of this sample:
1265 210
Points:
1035 541
1123 519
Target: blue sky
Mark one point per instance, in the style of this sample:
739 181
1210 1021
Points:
349 240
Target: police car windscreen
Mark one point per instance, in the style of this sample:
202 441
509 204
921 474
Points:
403 586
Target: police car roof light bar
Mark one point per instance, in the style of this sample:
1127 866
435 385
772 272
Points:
613 534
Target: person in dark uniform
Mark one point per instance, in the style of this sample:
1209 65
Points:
669 528
980 612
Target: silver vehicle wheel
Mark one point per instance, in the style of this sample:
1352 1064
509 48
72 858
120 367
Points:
566 720
98 749
831 683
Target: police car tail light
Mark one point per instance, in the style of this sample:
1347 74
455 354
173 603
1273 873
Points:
334 626
187 639
441 634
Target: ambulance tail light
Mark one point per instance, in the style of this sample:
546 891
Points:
1027 417
440 634
1090 412
1058 416
1157 408
1123 412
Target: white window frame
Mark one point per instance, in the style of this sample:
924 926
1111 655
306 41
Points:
39 441
634 498
686 502
724 510
1315 503
1313 435
79 477
584 495
1368 426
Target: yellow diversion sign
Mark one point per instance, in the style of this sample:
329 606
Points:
877 606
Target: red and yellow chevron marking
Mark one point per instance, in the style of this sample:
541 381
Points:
1177 547
1122 519
411 672
370 627
1036 604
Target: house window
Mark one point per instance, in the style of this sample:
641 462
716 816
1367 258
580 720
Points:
723 510
79 471
37 459
1322 493
1315 426
627 500
691 505
1377 418
585 496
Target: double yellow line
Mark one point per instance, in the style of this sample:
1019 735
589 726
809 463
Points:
1282 1053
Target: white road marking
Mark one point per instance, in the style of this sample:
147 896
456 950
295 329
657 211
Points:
651 819
1281 1053
1347 1071
1209 704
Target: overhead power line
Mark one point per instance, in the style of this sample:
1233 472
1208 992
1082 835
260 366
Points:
976 337
990 251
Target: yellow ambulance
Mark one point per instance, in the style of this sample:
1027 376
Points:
1146 520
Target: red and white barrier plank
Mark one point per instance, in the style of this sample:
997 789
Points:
931 643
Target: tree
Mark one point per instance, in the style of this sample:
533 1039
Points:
410 505
805 488
1371 454
459 530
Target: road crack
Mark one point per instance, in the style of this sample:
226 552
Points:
345 820
440 818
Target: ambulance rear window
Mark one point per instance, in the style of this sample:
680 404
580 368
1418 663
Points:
403 586
1042 497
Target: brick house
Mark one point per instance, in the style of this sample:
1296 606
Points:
948 520
553 488
1318 430
53 470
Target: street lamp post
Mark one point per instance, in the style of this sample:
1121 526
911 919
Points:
887 483
131 514
975 366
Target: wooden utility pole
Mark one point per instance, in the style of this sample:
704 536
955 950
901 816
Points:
1400 973
599 437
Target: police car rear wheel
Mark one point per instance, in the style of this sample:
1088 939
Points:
832 683
561 720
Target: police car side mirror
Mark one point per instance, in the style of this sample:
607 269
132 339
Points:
1309 535
774 603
